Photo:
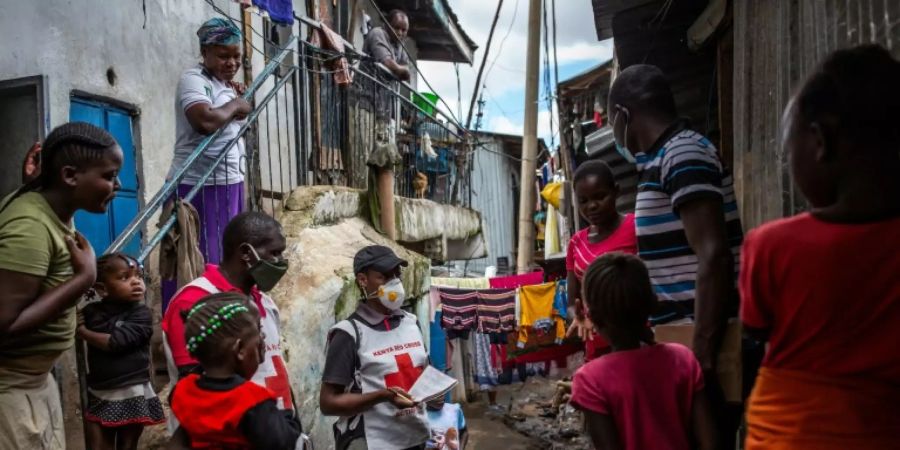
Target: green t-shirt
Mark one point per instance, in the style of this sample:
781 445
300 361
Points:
32 241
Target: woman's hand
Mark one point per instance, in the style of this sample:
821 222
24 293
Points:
400 398
84 262
239 88
242 108
581 327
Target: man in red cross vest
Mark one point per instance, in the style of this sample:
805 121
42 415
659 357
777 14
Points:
373 359
252 263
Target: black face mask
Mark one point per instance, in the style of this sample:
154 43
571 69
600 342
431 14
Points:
266 274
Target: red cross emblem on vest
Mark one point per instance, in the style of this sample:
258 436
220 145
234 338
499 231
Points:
406 374
278 383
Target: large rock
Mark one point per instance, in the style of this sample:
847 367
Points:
324 232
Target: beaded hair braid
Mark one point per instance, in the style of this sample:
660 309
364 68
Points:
215 321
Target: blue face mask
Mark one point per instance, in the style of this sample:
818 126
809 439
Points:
623 149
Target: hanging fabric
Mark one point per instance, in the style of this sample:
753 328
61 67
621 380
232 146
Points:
496 310
458 308
551 234
517 281
281 11
537 311
485 374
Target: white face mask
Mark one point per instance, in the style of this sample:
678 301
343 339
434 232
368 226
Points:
391 295
623 148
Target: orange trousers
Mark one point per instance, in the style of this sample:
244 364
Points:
791 410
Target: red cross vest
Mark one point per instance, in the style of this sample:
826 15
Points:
272 373
220 430
389 358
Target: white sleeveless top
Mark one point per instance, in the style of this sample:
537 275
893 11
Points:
392 358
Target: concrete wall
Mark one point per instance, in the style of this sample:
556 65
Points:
494 195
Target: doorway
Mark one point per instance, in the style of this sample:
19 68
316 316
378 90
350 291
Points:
23 121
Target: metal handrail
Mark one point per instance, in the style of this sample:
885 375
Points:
171 185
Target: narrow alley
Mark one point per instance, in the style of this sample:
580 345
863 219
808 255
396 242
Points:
449 224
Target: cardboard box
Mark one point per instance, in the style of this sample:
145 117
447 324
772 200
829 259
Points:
729 361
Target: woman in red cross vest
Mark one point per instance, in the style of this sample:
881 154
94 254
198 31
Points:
373 359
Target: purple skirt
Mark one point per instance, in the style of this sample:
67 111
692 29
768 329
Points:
216 205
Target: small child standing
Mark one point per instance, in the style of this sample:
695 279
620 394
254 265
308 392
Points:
448 425
117 330
643 394
221 407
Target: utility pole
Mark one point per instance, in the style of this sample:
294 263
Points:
529 140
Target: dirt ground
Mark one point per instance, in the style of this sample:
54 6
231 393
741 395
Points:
527 420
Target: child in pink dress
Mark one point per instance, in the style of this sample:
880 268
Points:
642 395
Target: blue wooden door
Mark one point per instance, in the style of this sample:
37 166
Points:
102 229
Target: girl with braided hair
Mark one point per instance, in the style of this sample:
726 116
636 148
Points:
220 407
45 267
643 394
117 329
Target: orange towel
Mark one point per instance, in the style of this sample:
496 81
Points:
791 410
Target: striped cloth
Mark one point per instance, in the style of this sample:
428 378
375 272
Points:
496 310
458 308
685 167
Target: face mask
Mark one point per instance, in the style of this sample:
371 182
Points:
266 274
623 149
391 295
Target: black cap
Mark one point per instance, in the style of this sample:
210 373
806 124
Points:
377 257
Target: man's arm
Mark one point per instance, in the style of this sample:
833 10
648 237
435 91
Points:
704 226
399 70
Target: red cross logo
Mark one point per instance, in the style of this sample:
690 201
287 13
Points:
278 383
406 374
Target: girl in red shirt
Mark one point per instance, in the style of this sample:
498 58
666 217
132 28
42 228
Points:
822 287
221 407
642 395
609 231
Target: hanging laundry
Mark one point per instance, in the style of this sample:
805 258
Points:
334 42
485 373
434 302
496 310
551 234
281 11
537 311
461 283
458 283
561 298
517 281
458 308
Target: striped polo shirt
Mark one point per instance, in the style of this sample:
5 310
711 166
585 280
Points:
683 168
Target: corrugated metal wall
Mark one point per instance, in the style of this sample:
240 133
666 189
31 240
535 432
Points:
495 195
777 43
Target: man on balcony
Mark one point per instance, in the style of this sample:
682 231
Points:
386 47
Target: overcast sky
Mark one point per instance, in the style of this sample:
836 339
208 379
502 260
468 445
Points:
577 49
